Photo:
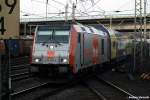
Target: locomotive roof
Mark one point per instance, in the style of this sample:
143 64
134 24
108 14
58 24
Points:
109 31
100 27
92 29
53 27
89 30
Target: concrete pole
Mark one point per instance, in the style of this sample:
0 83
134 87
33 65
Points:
73 12
145 25
30 30
66 12
9 70
134 42
46 8
110 22
141 32
25 28
138 32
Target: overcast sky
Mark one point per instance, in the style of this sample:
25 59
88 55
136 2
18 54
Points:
37 8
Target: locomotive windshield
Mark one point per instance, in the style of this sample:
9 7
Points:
49 35
61 35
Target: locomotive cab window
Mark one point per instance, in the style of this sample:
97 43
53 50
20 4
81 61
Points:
50 35
62 36
83 29
43 34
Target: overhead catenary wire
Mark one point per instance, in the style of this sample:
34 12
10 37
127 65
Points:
71 7
94 4
124 5
44 3
50 5
85 10
28 14
89 8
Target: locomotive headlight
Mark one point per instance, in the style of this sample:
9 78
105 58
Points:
51 47
37 60
65 60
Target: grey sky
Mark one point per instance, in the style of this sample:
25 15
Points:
37 8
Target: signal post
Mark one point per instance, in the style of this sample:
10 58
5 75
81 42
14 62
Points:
9 29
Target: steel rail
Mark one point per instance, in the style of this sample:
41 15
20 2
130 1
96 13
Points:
18 66
69 84
29 89
19 74
20 57
100 95
116 87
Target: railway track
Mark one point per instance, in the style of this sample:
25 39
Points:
106 90
43 89
19 61
20 72
20 68
32 84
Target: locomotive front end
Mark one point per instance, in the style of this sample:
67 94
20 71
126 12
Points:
51 47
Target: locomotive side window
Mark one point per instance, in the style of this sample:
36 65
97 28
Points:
91 30
83 29
102 50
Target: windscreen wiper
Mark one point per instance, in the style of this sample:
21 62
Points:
54 40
